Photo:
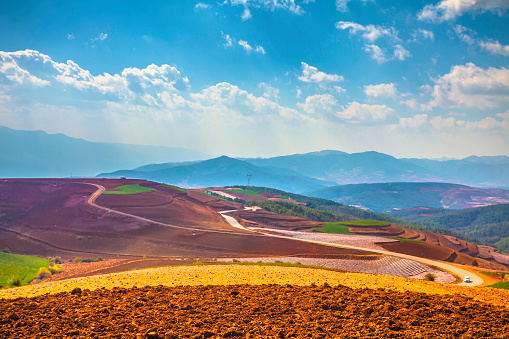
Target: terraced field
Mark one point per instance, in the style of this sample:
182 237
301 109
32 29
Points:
388 265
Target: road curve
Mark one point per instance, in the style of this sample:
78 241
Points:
101 189
476 280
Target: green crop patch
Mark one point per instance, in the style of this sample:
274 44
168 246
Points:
502 285
246 192
129 189
174 187
403 239
365 223
18 270
334 227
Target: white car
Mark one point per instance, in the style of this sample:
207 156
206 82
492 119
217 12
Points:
467 279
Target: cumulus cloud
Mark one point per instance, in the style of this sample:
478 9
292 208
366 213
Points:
70 36
327 107
269 91
381 91
225 98
447 10
495 47
470 86
369 32
313 75
133 84
438 123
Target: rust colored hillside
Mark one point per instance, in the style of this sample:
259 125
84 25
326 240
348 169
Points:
49 217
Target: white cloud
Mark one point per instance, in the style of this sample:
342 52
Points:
470 86
401 53
412 103
376 53
468 35
231 42
342 5
465 34
269 91
70 36
369 32
327 107
228 40
246 14
495 47
225 98
311 74
200 5
259 49
271 5
141 86
447 10
299 93
381 91
438 123
245 46
423 33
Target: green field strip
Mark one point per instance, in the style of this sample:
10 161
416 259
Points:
365 223
333 227
22 267
174 187
129 189
245 192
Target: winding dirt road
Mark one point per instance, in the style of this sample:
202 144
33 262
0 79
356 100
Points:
476 280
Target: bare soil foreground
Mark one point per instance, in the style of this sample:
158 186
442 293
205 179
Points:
246 311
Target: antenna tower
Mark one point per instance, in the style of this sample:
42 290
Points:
248 179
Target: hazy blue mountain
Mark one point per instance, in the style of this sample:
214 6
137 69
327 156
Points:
344 168
374 167
383 197
223 171
477 171
38 154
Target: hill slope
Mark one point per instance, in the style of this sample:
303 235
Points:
490 224
223 171
384 197
38 154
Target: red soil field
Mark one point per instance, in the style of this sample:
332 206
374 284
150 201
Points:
244 311
49 217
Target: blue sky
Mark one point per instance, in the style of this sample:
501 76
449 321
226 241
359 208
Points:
262 77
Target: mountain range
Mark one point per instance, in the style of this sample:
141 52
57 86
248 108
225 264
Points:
384 197
38 154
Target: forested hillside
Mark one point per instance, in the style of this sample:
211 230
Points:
489 224
336 211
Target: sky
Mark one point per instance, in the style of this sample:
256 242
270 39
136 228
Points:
254 78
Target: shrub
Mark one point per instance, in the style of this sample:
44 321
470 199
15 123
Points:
43 273
429 277
6 250
78 259
56 269
16 282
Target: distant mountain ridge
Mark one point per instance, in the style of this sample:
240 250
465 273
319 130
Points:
223 171
373 167
384 197
38 154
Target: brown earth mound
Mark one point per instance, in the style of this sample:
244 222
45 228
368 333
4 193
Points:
263 218
244 311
